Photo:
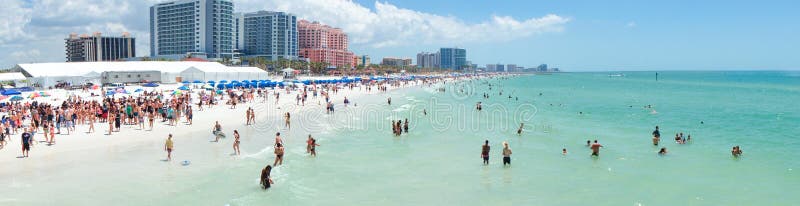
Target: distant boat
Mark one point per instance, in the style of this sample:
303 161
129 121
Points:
616 75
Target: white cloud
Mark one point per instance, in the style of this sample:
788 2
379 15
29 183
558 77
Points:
41 25
631 24
13 18
388 25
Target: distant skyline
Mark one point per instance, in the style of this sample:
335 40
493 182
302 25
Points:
571 35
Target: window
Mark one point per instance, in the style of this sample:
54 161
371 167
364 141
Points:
116 76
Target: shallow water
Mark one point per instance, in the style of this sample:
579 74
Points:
438 162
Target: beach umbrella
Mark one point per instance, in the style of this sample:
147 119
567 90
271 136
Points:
208 86
151 84
220 86
223 81
16 98
219 91
185 82
44 94
184 88
95 87
211 82
177 92
121 91
33 95
109 93
4 98
138 90
197 82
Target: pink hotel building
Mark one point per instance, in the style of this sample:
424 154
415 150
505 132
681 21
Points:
322 43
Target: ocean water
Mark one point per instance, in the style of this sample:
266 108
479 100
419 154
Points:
438 162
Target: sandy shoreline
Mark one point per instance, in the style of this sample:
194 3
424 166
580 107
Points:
266 113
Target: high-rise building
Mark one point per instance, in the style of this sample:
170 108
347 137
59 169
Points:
272 35
542 68
362 60
192 26
511 68
322 43
394 61
428 60
452 58
491 67
97 48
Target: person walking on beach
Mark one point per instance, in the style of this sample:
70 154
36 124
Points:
278 154
485 152
27 140
168 147
596 148
217 131
236 142
506 154
266 181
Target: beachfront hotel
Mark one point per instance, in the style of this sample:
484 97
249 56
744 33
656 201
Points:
394 61
200 27
453 58
322 43
267 34
96 48
428 60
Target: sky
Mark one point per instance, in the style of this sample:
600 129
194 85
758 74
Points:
571 35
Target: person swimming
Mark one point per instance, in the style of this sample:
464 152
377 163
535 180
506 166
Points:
663 151
564 151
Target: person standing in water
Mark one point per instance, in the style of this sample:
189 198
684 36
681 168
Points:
217 131
313 144
236 142
266 181
288 120
656 140
564 151
485 152
519 131
168 145
506 154
596 148
656 133
278 154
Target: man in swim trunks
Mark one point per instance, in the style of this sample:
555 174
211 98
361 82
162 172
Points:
485 152
596 148
26 143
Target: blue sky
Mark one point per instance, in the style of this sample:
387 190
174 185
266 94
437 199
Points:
571 35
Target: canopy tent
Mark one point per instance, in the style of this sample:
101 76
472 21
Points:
10 92
76 73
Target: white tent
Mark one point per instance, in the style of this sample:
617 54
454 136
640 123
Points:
48 74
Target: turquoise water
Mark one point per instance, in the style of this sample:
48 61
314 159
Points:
438 163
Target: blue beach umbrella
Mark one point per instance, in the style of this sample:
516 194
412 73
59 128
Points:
184 88
197 82
16 98
185 82
151 84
